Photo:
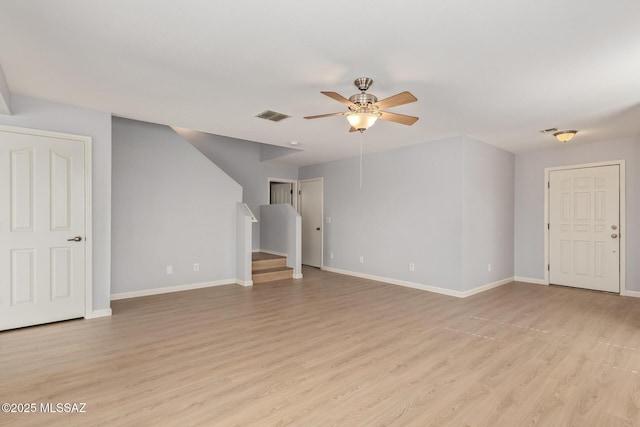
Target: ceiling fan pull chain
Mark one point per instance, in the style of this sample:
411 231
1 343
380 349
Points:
361 136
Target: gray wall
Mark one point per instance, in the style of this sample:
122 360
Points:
171 206
44 115
529 209
412 208
242 161
488 207
282 233
274 234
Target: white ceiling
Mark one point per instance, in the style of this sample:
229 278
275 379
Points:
495 70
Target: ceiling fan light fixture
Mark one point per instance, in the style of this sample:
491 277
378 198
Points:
565 135
361 121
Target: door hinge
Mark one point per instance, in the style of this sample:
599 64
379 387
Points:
291 191
548 226
548 267
548 184
299 192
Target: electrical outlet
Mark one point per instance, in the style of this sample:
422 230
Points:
412 267
361 259
169 269
489 267
196 267
331 255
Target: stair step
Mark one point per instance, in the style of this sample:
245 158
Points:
270 274
267 264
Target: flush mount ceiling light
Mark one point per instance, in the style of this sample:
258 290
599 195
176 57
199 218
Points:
565 135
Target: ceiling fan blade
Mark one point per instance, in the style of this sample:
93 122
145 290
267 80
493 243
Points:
338 98
398 118
395 100
352 129
324 115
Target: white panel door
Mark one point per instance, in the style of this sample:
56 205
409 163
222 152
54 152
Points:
42 207
311 213
584 221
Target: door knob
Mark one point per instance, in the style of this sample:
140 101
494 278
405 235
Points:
614 236
75 239
318 228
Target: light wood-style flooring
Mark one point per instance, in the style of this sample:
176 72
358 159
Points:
333 350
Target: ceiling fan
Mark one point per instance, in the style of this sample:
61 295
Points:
365 109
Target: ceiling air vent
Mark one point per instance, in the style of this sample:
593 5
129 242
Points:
273 116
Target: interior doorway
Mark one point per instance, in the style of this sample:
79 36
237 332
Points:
585 226
283 191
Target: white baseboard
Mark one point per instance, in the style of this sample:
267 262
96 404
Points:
297 276
634 294
486 287
404 283
106 312
420 286
244 282
169 289
266 251
530 280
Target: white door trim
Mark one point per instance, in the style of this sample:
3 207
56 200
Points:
321 179
623 223
87 140
294 196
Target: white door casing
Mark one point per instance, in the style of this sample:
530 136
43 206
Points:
43 203
584 227
311 201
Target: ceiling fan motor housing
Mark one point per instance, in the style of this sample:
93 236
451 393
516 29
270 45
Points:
363 99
